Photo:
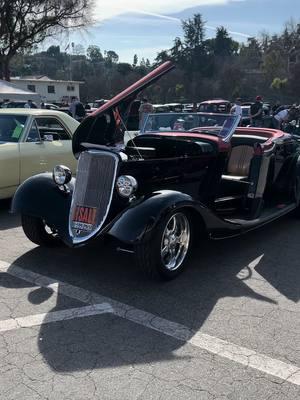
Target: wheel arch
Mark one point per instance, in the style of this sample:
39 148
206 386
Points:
138 222
197 220
40 197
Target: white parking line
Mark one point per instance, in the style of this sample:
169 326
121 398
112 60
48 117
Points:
222 348
54 316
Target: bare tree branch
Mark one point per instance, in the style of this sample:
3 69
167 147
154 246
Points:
24 23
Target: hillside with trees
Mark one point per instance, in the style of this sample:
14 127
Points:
206 67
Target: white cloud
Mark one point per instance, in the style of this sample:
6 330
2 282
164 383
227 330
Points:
106 9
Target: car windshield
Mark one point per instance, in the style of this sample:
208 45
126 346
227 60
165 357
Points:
11 127
214 124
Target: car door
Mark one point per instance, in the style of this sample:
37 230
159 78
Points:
11 131
33 154
9 169
59 150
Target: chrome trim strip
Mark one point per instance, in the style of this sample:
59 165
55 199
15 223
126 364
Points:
120 249
76 240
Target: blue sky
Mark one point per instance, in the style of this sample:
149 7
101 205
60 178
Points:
130 27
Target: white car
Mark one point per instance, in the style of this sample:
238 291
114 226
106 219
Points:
33 141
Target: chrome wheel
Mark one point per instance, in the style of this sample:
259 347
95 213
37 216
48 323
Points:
175 241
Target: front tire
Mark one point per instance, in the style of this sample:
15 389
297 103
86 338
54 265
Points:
38 232
164 253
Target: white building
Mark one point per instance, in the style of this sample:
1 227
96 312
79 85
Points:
50 90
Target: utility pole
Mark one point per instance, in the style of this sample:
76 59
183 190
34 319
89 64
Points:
71 54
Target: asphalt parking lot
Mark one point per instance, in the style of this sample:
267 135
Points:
86 324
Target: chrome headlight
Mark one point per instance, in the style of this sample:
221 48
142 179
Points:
61 175
126 185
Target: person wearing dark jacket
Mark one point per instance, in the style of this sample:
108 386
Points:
256 112
77 109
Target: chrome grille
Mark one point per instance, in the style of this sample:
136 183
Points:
95 180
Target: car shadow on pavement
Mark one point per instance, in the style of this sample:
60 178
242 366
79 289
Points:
218 270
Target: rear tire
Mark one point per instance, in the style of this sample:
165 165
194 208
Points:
164 253
37 231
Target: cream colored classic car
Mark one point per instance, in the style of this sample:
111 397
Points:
33 141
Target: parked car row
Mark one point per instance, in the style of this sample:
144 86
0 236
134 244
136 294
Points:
16 104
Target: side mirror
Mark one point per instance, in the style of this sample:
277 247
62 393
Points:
48 138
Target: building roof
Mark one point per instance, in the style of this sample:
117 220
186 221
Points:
42 78
11 91
34 77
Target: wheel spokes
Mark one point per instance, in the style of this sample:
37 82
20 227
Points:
175 241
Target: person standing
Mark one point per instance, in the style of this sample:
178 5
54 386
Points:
5 103
256 112
28 104
77 109
280 117
236 109
145 108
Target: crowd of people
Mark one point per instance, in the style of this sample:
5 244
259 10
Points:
279 114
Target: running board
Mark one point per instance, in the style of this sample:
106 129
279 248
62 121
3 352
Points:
237 227
264 219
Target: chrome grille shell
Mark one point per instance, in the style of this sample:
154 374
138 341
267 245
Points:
95 182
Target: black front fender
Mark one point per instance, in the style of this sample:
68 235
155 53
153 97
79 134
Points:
134 224
40 197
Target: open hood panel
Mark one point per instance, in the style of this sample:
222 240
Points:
104 126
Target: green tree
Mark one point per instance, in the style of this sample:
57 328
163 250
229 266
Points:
179 91
135 60
279 84
53 51
124 68
273 64
111 57
193 54
177 51
161 57
223 45
79 50
193 32
251 54
94 54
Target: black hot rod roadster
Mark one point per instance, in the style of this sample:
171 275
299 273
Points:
183 175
